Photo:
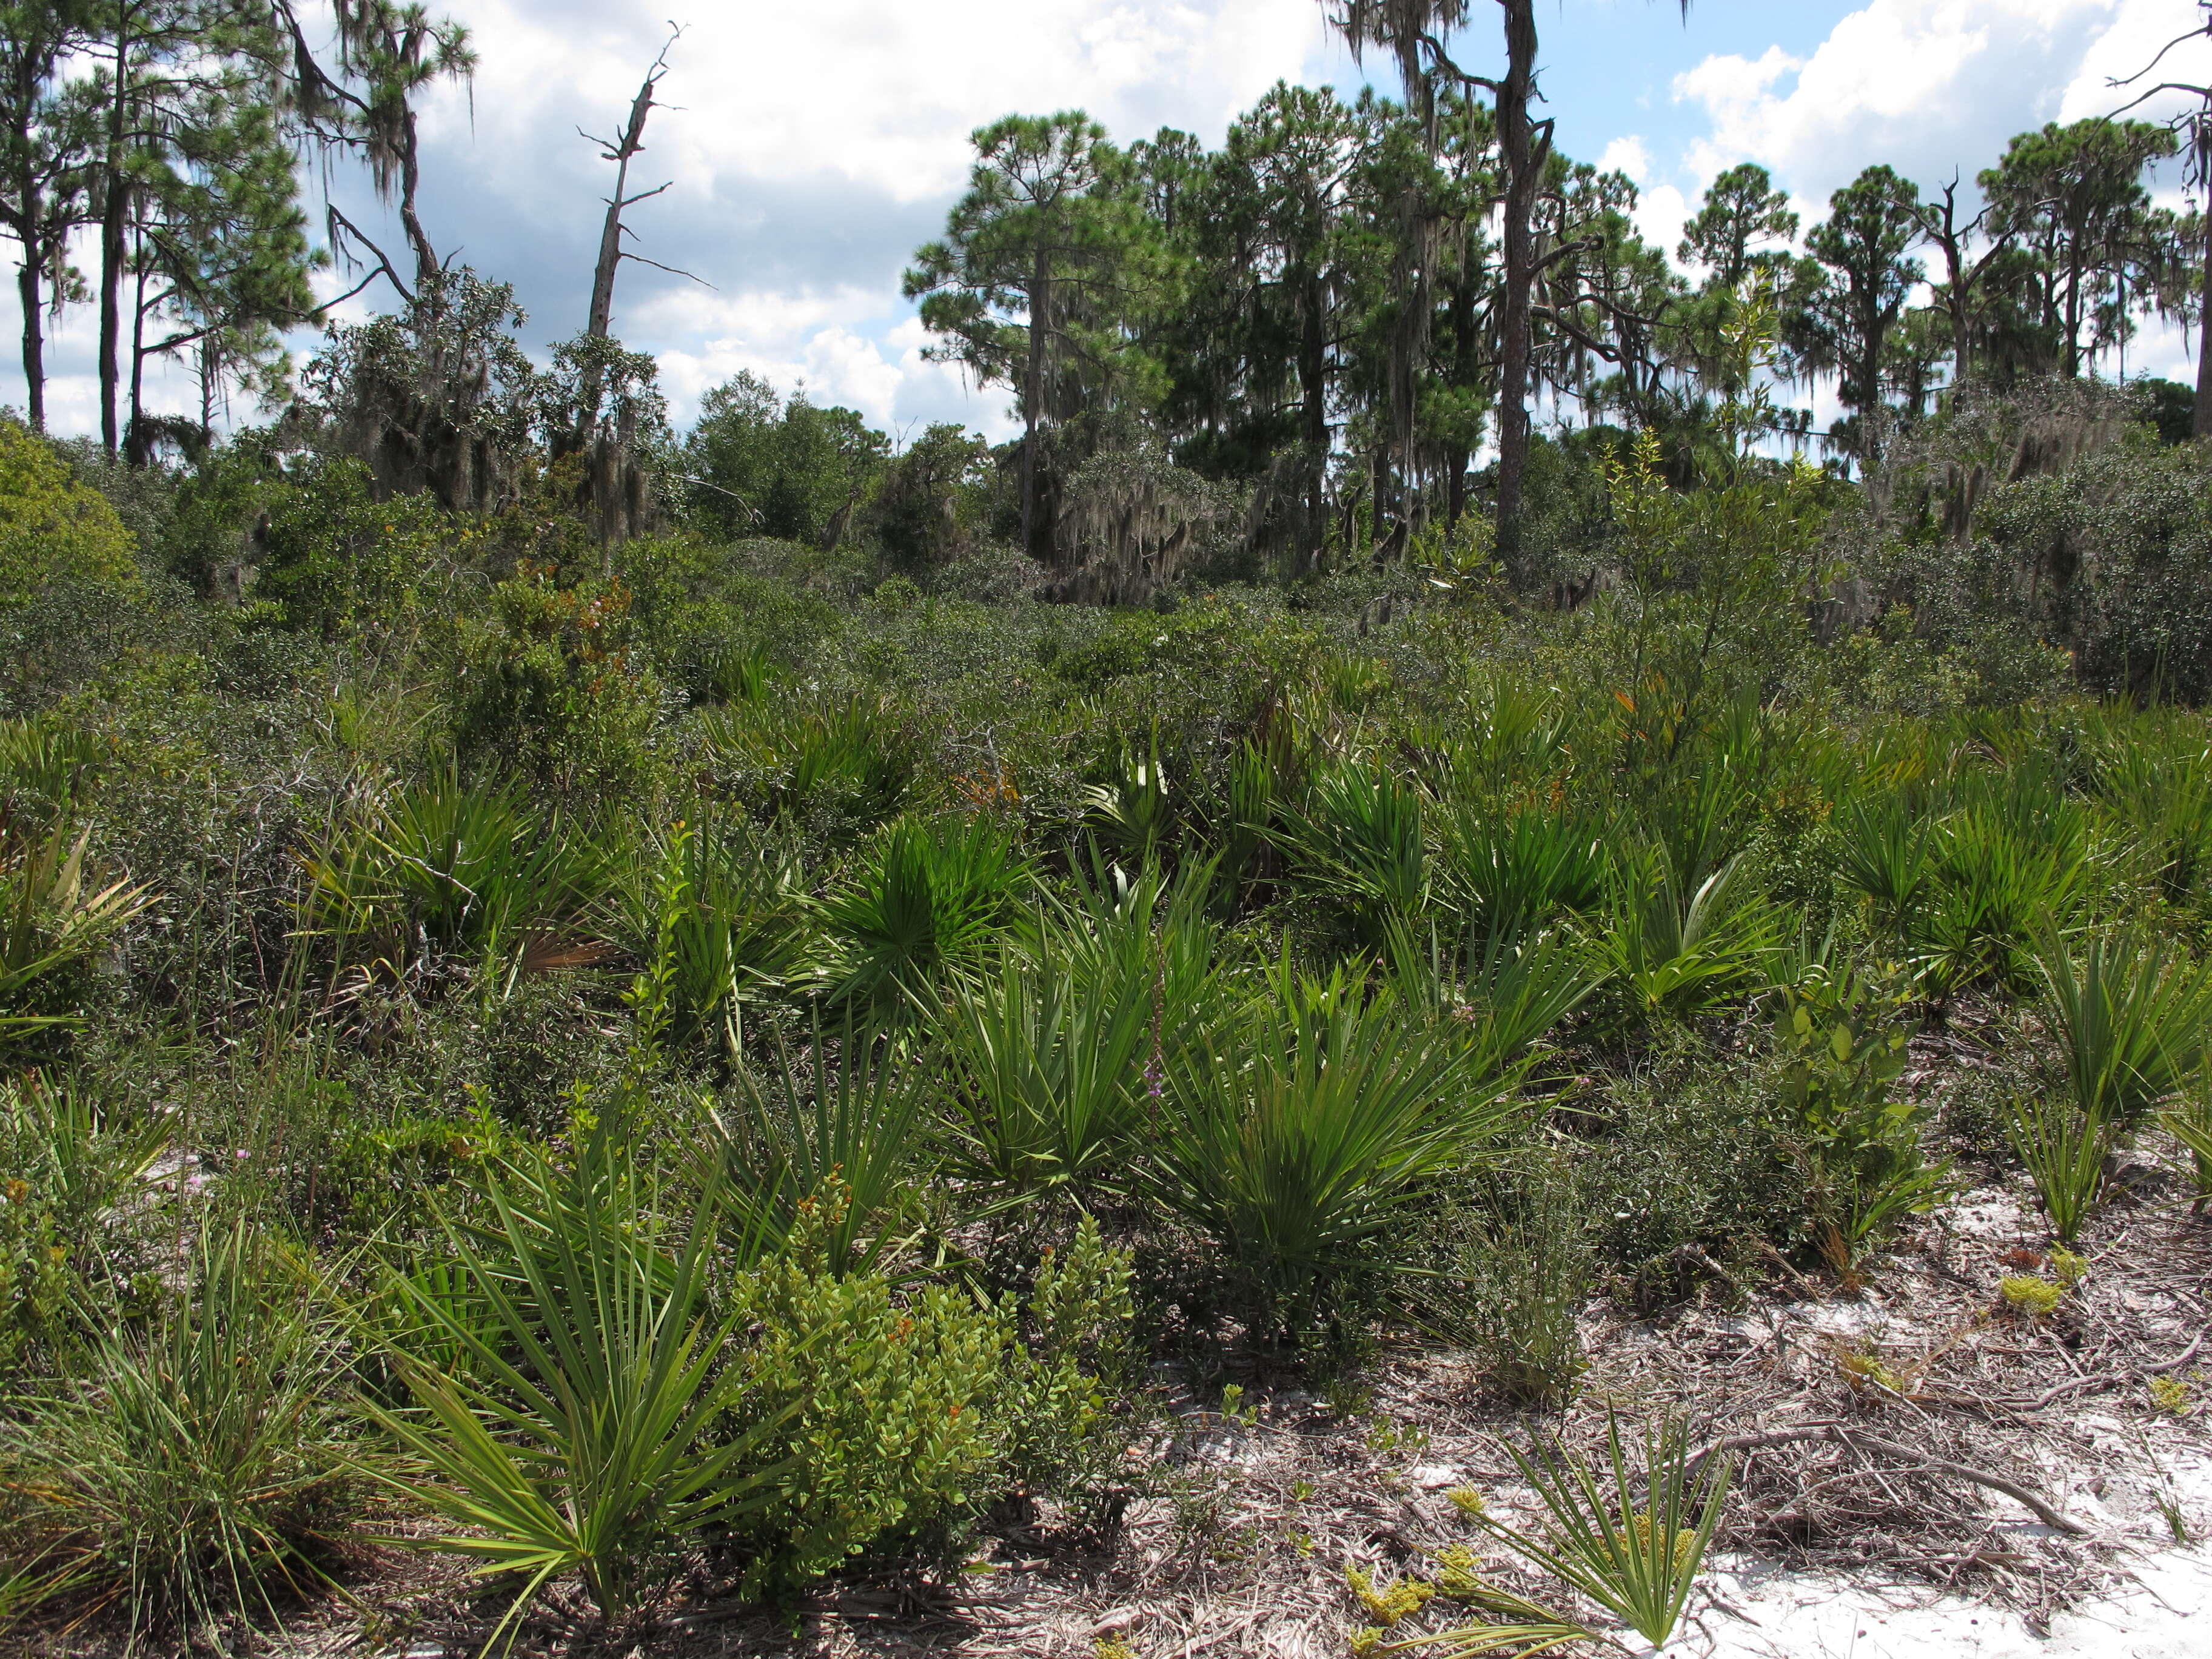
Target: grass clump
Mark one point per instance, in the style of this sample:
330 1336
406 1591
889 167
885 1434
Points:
1307 1128
193 1465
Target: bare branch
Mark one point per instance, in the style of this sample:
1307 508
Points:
343 232
671 270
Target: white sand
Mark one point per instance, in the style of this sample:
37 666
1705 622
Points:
2165 1614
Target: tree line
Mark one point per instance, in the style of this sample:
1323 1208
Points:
1337 327
1318 307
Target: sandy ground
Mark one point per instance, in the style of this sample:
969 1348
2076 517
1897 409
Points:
2165 1613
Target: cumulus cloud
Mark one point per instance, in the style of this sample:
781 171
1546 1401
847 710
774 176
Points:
809 150
1928 85
1938 86
1661 210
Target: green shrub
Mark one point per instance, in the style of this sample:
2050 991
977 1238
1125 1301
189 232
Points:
2133 1022
35 1282
893 1413
1515 1269
743 931
70 1175
1679 952
1045 1059
574 1435
549 690
1693 1150
1841 1049
454 868
51 527
2000 867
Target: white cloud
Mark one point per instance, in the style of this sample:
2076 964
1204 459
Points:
1927 86
2124 50
812 146
856 91
1660 209
1626 154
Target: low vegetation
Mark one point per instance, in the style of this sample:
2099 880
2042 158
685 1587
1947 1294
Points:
719 1068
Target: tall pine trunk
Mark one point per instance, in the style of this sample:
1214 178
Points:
1033 393
114 204
33 231
1313 369
2200 423
137 449
1516 147
27 288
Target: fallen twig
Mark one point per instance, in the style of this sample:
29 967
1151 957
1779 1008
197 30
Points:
1862 1442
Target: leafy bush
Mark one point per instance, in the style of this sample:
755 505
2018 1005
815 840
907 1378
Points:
70 1175
35 1281
311 547
51 527
889 1413
548 691
1841 1050
1692 1151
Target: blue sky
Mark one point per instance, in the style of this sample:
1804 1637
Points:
812 147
